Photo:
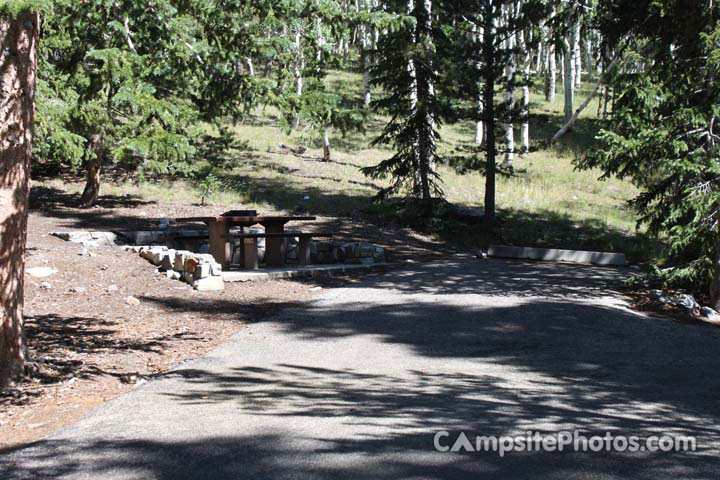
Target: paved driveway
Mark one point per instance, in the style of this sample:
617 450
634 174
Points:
356 384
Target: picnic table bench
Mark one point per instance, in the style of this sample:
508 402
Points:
220 237
250 247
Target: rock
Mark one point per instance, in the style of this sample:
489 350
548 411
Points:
191 264
132 301
113 288
168 260
686 301
202 270
188 277
209 284
172 274
180 257
710 314
656 294
205 258
41 272
45 285
105 239
78 289
215 269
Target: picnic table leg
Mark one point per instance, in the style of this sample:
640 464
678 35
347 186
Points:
304 251
274 255
250 257
220 247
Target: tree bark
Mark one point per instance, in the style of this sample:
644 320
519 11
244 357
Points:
298 67
488 100
412 73
550 88
509 126
18 74
577 54
94 167
568 81
326 146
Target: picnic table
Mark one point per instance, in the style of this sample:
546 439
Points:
220 241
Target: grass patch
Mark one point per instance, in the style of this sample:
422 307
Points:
549 204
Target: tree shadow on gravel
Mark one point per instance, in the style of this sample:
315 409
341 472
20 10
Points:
568 362
57 345
55 203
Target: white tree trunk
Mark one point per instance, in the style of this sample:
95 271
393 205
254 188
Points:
569 80
571 121
298 67
525 129
577 56
552 75
510 105
413 108
326 146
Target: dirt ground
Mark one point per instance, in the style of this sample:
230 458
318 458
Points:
90 340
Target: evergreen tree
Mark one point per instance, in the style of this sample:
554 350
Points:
481 57
129 82
405 69
663 134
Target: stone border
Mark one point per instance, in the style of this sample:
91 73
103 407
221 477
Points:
558 255
200 270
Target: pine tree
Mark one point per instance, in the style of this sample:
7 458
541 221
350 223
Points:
663 134
405 70
481 60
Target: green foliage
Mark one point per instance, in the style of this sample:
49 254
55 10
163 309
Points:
405 71
663 136
209 186
12 8
142 77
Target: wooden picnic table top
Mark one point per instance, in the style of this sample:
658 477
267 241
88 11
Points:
252 219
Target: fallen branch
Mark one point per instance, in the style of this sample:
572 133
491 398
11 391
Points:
570 123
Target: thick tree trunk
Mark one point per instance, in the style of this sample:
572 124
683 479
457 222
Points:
94 167
18 71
